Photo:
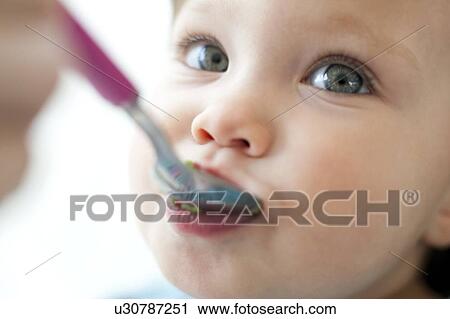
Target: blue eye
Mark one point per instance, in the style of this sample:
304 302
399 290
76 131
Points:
207 58
339 78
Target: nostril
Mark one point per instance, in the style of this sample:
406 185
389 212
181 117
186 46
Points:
204 136
240 142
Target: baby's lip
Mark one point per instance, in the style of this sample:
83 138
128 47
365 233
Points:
231 174
234 175
218 172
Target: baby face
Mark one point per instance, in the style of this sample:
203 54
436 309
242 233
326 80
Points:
308 96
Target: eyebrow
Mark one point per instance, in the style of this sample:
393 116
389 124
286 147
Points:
199 6
357 26
337 22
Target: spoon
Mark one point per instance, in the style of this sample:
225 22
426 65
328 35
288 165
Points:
110 82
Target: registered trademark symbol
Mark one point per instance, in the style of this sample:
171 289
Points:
410 197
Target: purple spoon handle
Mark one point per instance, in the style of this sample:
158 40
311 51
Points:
103 74
115 87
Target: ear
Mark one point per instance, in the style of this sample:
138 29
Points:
438 234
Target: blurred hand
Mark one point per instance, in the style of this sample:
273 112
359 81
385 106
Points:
28 73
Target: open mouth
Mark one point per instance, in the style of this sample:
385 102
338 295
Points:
200 215
191 203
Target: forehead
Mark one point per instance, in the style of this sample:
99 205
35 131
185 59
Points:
396 8
347 14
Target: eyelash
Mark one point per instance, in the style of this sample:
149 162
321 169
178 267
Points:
196 38
192 38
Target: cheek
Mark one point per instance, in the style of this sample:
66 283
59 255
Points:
350 155
330 262
354 153
339 149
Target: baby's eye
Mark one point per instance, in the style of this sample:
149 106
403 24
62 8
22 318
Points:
207 57
339 78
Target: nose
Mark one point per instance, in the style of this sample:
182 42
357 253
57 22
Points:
237 125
